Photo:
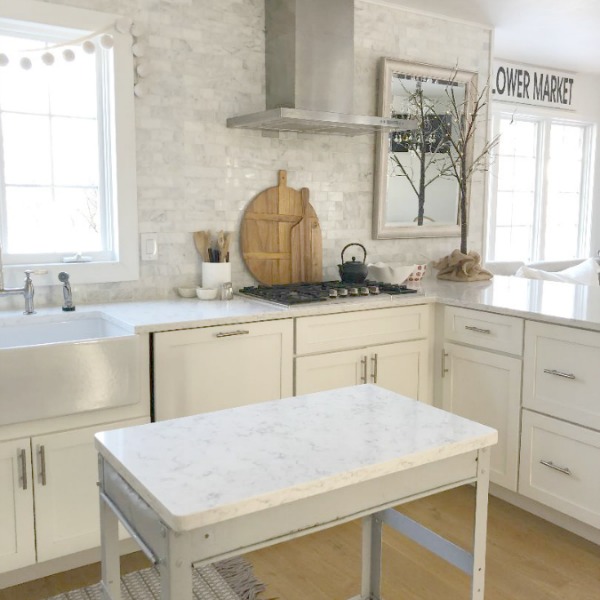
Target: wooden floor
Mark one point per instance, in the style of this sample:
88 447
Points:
527 559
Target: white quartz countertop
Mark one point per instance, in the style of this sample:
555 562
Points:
200 470
552 302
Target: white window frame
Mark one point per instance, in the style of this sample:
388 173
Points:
125 267
544 118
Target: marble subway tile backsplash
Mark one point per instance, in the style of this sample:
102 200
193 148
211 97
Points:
207 63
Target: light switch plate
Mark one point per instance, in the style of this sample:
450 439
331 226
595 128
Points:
149 246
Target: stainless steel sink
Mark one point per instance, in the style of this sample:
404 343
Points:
55 367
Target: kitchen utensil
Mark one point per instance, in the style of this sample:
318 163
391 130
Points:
221 246
353 271
273 248
202 242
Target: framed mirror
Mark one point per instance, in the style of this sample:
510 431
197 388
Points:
415 194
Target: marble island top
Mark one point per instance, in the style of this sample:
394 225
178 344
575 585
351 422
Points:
200 470
560 303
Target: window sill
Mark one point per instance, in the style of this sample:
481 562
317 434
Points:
80 273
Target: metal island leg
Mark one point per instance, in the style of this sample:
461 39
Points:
472 564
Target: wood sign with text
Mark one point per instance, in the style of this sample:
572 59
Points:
526 84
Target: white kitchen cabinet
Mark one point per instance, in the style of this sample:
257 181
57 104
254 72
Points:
401 366
562 378
322 372
499 333
65 474
560 466
17 540
486 387
212 368
483 383
560 444
52 507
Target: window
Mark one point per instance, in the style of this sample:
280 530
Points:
67 162
540 189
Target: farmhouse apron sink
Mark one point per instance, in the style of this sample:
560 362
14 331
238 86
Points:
50 368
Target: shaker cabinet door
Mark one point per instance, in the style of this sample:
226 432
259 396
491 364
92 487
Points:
65 471
402 368
321 372
17 540
486 387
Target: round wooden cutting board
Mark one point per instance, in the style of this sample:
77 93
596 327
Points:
281 237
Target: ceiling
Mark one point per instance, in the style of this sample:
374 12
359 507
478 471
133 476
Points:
552 33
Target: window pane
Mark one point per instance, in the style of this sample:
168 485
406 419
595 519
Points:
21 90
564 194
27 157
41 221
513 243
516 188
73 87
75 151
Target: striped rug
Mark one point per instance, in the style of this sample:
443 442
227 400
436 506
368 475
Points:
230 579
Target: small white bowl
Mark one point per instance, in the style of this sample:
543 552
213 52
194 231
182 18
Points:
186 292
386 273
206 293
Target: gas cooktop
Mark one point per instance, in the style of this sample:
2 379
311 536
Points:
302 293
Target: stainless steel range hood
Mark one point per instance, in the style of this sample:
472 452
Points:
310 72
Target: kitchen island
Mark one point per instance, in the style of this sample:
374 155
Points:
198 489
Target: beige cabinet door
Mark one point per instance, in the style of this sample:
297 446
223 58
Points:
17 540
211 368
322 372
65 476
486 387
402 368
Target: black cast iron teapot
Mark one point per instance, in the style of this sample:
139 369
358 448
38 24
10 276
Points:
353 271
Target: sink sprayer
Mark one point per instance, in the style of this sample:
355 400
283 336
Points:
67 293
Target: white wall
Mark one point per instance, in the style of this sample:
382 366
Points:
207 61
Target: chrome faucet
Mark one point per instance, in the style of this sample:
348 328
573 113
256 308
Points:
27 291
67 293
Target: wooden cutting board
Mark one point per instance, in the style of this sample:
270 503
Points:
281 237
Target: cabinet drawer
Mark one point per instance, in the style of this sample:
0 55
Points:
559 466
324 333
562 374
483 329
212 368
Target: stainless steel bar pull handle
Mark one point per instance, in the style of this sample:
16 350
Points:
22 458
363 362
477 329
42 456
374 368
551 465
559 373
223 334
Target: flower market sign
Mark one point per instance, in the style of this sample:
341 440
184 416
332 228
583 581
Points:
525 84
